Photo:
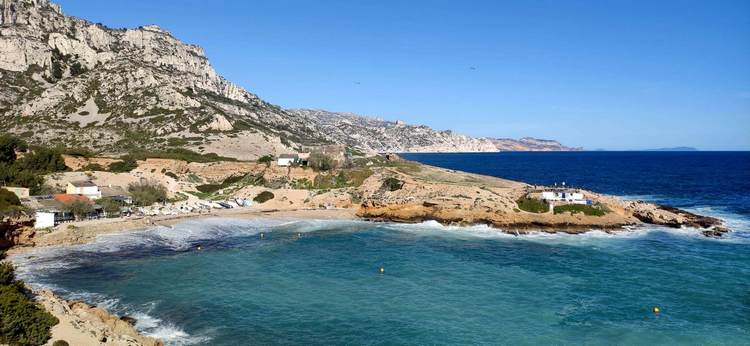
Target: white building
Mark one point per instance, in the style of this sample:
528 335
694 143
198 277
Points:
84 188
569 196
286 160
44 219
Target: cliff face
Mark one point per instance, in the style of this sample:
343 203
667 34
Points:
530 144
64 80
84 84
372 134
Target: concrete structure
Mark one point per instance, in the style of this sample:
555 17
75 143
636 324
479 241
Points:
564 195
21 192
44 219
286 160
84 188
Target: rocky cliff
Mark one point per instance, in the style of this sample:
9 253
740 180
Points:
530 144
65 80
375 134
84 84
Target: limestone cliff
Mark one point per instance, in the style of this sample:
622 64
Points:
65 80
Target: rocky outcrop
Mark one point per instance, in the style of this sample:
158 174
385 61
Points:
529 144
450 197
674 217
83 324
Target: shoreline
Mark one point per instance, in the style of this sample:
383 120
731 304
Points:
86 324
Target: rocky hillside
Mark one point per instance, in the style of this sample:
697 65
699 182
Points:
530 144
72 81
65 80
375 134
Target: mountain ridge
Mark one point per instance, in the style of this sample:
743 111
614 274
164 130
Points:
70 81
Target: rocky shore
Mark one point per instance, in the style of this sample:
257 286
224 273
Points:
83 324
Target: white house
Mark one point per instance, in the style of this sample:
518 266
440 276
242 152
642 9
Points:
570 196
85 188
286 160
44 219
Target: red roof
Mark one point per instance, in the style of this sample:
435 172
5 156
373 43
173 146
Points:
67 198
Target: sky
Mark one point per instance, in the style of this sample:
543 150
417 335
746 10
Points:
597 74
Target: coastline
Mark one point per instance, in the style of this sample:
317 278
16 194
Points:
81 323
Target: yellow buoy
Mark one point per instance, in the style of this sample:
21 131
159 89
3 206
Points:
382 270
656 310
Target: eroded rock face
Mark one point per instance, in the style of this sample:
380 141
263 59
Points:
146 85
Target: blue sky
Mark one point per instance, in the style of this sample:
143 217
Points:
597 74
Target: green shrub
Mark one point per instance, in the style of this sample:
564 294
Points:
112 207
7 273
321 162
172 175
8 200
591 210
393 184
532 205
60 343
267 159
123 166
80 209
209 188
146 193
22 322
93 167
264 197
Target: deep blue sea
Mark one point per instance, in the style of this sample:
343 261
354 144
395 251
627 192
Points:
312 282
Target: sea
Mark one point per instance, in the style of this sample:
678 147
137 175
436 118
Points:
318 282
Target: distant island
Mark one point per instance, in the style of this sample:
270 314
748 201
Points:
674 149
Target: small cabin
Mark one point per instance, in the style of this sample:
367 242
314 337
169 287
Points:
286 160
84 188
564 195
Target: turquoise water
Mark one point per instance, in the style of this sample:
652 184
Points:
442 285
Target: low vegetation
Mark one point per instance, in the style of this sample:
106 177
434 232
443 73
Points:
27 171
9 203
267 159
124 166
263 197
532 205
80 209
22 321
591 210
321 162
146 193
177 154
94 167
246 179
392 184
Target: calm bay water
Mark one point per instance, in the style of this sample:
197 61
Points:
316 282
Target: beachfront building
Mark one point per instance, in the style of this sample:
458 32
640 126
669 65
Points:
564 195
52 210
286 160
84 188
